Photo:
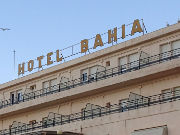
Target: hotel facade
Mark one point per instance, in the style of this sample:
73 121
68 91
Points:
131 88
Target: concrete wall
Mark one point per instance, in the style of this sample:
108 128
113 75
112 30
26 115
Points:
147 82
113 96
127 122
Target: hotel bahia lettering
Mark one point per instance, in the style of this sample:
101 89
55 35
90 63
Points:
84 47
128 88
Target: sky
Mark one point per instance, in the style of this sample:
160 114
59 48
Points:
41 26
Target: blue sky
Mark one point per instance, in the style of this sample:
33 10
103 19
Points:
40 26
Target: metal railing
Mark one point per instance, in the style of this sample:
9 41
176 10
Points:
92 111
136 65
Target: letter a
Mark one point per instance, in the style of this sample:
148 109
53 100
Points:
98 41
136 27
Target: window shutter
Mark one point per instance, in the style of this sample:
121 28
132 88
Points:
133 57
53 84
166 94
133 60
93 71
45 87
123 63
176 47
177 91
165 48
46 84
176 44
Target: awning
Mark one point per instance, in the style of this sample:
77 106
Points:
152 131
51 133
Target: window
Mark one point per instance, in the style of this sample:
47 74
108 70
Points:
44 122
45 87
16 96
166 94
176 91
32 122
13 97
84 74
33 87
129 62
90 73
19 95
176 44
64 82
133 60
108 63
165 48
108 105
170 93
175 47
124 104
49 85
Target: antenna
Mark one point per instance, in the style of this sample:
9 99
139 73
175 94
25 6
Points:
178 20
14 52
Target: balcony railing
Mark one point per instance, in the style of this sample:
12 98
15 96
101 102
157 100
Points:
92 111
136 65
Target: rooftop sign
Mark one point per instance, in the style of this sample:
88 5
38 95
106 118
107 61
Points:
83 47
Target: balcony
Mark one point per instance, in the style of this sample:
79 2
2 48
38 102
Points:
91 111
98 76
